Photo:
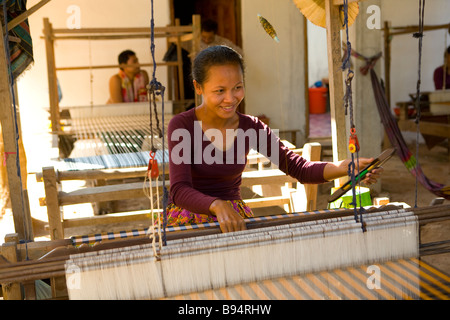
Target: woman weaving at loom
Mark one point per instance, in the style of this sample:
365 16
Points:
208 147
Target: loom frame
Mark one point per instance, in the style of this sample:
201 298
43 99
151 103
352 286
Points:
175 34
47 258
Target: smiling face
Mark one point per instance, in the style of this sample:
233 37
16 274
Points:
222 91
132 69
208 36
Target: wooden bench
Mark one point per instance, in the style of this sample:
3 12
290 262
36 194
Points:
55 198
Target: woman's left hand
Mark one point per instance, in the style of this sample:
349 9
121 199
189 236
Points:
373 175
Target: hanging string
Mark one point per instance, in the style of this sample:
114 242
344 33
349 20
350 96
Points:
155 89
419 35
348 104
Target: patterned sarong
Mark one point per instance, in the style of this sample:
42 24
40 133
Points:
177 216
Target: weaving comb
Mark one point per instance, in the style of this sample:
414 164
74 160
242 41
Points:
382 158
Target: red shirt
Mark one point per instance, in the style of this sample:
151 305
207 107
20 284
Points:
201 173
439 80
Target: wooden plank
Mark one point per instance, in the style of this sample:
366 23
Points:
105 193
135 189
336 89
36 249
107 219
52 202
95 174
112 66
157 30
20 18
11 150
427 128
11 291
312 152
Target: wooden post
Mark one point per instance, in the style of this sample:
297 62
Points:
182 96
11 152
196 24
311 151
338 124
51 74
51 199
11 291
387 60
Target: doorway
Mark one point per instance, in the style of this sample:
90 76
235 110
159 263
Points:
319 122
227 14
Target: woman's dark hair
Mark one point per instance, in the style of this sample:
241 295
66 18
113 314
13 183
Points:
209 26
214 56
125 55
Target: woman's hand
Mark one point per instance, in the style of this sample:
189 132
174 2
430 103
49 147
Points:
373 175
336 170
229 220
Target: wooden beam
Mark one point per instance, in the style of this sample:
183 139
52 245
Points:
11 151
11 291
172 30
196 23
53 209
20 18
113 66
51 74
426 127
335 74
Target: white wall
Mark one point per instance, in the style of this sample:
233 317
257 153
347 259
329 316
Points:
275 71
317 54
404 63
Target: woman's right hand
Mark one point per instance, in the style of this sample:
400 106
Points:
229 220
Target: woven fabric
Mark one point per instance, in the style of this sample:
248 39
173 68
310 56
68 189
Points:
21 53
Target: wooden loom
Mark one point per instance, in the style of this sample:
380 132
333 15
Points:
175 34
354 229
421 282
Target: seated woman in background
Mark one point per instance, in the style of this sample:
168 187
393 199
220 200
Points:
209 144
442 74
130 84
